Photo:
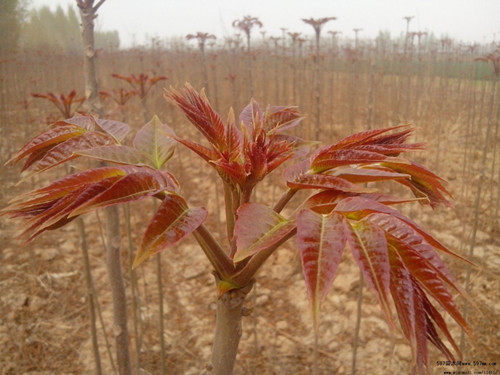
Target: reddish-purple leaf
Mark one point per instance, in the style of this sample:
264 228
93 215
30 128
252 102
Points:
70 183
359 175
328 159
132 187
361 138
117 154
65 151
117 129
403 293
407 235
66 205
321 241
86 122
369 248
199 111
51 137
423 182
250 114
430 280
258 227
204 152
358 207
173 221
325 201
433 314
320 181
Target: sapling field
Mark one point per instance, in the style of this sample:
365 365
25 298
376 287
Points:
299 203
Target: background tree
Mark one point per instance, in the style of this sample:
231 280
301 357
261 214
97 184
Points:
246 24
60 30
11 17
317 24
202 40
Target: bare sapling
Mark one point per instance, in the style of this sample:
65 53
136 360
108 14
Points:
317 24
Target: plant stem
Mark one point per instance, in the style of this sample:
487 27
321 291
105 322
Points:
228 330
228 198
222 264
254 264
285 198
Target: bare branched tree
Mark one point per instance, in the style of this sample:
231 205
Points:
246 24
356 32
317 24
202 39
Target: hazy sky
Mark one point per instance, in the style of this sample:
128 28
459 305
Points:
467 20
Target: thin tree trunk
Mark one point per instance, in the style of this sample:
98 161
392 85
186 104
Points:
228 330
134 287
159 285
113 263
90 295
88 14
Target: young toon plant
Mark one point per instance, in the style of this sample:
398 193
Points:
66 104
396 256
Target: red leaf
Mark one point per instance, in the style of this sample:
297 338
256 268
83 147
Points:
199 111
66 185
51 137
361 138
172 222
358 207
65 151
328 159
423 182
369 248
403 293
117 129
65 207
359 175
321 241
407 235
430 280
325 201
258 227
320 181
205 153
117 154
134 186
